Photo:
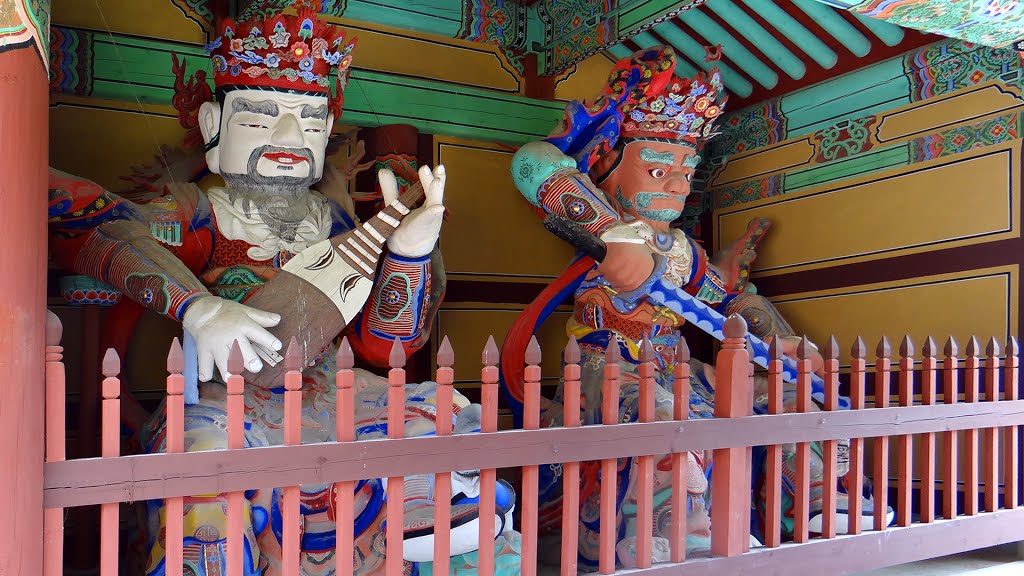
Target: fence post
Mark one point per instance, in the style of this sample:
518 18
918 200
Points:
950 392
345 431
773 480
291 521
928 390
830 448
680 461
236 441
395 531
904 443
990 438
971 391
1011 457
53 518
571 470
174 525
443 480
111 442
857 393
531 421
883 381
488 477
730 485
610 388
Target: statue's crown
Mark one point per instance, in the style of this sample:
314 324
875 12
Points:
683 109
288 53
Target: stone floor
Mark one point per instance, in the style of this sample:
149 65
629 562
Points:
998 561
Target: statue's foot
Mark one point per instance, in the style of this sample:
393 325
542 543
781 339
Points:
867 515
465 524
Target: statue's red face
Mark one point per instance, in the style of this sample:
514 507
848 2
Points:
652 181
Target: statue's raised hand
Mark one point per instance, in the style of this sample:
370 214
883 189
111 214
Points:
416 236
216 323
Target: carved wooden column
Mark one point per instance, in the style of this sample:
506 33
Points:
24 137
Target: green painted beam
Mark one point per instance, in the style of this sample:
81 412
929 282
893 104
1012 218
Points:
835 25
736 51
758 36
889 34
687 46
139 70
633 14
441 17
802 37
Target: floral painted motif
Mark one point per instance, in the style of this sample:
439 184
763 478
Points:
989 22
953 65
963 138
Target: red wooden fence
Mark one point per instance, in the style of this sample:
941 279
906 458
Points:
986 428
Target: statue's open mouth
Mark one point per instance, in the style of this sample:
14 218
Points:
285 158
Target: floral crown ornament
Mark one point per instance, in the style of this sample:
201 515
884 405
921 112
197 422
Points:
642 99
280 52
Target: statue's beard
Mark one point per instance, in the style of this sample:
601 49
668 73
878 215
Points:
282 202
276 185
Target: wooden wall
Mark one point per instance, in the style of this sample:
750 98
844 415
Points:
894 193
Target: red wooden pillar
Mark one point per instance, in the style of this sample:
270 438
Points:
24 136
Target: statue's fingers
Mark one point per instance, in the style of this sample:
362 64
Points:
249 357
435 192
426 177
263 338
265 319
388 185
205 366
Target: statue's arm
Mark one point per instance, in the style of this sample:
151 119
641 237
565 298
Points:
99 234
405 296
549 180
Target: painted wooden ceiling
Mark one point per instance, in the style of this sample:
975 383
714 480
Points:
767 47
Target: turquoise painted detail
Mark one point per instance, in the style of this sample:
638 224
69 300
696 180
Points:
835 25
441 17
619 51
534 163
871 90
874 161
693 50
731 47
649 155
758 36
889 34
802 37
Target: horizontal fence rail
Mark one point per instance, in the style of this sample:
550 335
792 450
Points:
152 476
970 405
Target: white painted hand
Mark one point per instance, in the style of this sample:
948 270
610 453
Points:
416 235
216 323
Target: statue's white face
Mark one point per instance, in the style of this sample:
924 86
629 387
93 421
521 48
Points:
267 138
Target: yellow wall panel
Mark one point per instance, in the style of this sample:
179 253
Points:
963 199
103 144
468 329
492 229
960 107
383 49
149 18
978 302
765 161
584 80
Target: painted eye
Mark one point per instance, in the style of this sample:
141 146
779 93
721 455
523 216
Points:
657 172
689 177
255 126
315 130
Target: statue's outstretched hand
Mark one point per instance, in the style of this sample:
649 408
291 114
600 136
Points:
216 323
417 234
628 261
